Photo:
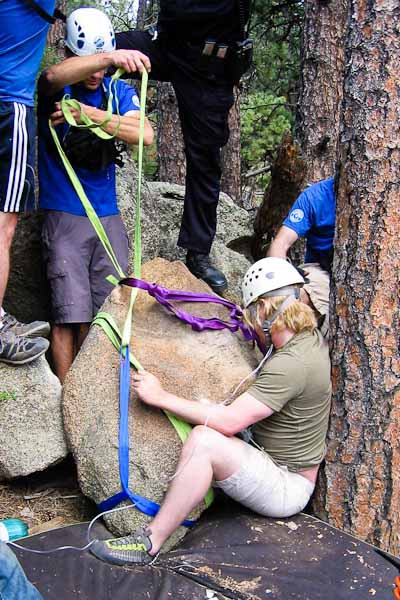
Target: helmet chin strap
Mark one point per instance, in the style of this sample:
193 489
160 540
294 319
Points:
289 300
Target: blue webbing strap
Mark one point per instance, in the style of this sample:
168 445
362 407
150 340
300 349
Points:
146 506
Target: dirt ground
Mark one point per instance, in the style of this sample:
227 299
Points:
46 500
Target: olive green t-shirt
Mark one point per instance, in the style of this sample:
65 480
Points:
295 383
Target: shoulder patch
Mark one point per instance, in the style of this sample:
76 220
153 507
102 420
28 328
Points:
296 215
135 101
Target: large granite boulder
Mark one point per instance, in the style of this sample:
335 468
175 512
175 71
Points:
31 427
233 222
234 265
205 365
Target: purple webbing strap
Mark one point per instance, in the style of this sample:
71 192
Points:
164 295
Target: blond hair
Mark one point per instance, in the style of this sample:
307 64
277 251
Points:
297 316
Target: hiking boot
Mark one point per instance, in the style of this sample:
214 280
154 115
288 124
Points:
130 550
199 265
18 350
34 329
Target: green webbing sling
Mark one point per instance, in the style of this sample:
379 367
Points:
103 319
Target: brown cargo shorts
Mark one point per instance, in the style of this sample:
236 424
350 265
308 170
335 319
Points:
77 264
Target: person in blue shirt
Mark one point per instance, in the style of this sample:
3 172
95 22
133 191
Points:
312 216
22 41
77 264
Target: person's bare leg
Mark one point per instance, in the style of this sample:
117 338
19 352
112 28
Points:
63 348
206 455
8 223
81 336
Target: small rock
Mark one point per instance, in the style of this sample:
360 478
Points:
31 426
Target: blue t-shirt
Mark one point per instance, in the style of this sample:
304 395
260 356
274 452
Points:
55 188
22 40
313 216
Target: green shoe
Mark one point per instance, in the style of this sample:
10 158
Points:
130 550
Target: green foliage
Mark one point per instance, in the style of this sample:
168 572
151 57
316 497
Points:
276 27
5 396
264 120
269 98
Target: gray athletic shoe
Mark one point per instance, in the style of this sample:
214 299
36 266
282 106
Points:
18 350
34 329
130 550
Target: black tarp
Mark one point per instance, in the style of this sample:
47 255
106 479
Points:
233 554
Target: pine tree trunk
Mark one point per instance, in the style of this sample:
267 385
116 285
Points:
230 154
321 85
141 14
361 491
56 32
171 156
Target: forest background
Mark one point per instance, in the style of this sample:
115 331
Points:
323 99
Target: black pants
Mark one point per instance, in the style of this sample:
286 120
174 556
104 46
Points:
204 100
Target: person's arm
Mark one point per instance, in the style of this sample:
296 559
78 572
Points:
77 68
227 419
282 242
128 123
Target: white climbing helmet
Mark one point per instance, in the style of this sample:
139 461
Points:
271 277
89 31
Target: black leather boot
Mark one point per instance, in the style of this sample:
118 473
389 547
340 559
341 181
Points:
199 265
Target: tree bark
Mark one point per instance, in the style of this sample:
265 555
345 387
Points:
287 176
170 149
361 491
141 14
321 86
56 32
230 154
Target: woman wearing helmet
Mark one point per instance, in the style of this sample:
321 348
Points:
287 406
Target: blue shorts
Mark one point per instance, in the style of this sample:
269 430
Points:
17 156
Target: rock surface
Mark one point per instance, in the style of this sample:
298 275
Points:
27 294
232 221
194 365
126 194
31 427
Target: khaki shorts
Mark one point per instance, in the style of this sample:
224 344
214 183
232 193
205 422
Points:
318 290
268 489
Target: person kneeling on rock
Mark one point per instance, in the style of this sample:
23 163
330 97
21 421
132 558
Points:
287 406
77 263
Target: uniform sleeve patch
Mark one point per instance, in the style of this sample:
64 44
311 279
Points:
135 101
296 215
